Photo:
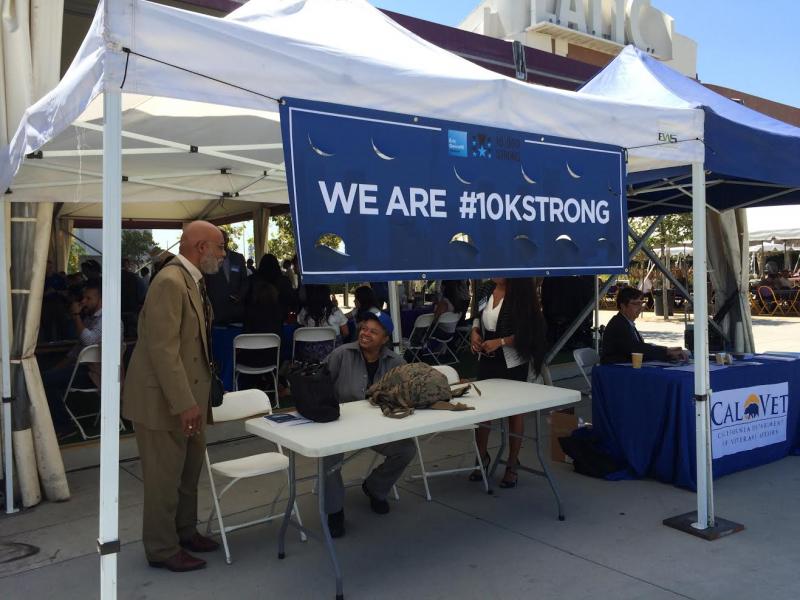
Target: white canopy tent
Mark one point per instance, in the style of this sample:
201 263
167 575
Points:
345 52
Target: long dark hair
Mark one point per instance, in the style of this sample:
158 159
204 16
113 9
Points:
526 316
319 305
269 269
366 298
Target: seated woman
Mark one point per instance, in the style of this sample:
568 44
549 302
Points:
320 311
621 338
355 367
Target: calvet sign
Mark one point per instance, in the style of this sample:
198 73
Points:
747 418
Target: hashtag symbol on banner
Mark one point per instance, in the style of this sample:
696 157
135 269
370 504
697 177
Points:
468 206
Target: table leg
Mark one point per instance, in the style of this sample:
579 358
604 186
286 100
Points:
498 459
545 468
326 533
287 515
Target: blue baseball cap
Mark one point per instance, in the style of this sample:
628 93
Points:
382 318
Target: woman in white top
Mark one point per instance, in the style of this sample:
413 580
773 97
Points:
507 335
320 311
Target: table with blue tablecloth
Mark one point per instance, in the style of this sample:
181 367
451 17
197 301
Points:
645 418
222 346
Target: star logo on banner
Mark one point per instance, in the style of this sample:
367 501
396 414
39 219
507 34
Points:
481 146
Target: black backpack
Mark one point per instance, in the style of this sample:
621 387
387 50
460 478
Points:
589 458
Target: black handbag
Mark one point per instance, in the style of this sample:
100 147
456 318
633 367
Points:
217 389
312 392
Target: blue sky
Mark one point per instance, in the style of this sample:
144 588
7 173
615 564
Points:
740 44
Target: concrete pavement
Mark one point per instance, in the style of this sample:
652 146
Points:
464 544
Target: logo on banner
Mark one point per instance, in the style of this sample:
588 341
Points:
481 146
748 418
457 143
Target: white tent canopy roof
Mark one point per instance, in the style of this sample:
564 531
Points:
775 235
346 52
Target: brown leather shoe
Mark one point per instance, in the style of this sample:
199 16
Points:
200 543
179 562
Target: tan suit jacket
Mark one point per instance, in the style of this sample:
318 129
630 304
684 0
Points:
169 371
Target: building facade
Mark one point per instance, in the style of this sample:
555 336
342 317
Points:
589 31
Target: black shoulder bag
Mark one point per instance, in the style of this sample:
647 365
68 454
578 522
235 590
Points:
312 392
217 390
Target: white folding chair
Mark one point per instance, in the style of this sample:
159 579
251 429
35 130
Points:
463 333
452 377
415 342
586 358
90 355
257 341
440 338
237 406
312 334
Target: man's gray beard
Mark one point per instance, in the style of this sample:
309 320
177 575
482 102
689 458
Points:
209 265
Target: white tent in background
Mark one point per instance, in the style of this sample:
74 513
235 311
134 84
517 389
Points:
343 52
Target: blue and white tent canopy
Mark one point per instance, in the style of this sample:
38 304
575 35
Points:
752 159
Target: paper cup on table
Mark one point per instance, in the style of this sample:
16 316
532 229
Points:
720 356
636 359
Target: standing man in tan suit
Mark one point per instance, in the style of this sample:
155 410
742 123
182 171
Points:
166 395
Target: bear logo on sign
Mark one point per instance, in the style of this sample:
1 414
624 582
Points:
751 407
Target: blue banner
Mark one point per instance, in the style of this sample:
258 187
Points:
418 198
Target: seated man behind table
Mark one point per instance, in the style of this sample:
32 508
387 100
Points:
621 338
354 367
87 319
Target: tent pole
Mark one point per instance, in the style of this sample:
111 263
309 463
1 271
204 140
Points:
702 522
596 315
705 507
108 540
394 312
5 374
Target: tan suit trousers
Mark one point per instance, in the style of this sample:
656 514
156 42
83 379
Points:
171 465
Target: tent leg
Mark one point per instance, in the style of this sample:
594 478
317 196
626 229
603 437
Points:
703 522
394 312
5 374
108 540
702 393
596 332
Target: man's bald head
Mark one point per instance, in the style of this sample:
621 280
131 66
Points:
202 244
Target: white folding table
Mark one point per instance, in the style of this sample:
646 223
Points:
362 425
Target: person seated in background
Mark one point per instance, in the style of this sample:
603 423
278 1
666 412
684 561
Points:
131 298
621 338
320 311
53 281
773 279
251 266
87 318
364 301
355 367
453 297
